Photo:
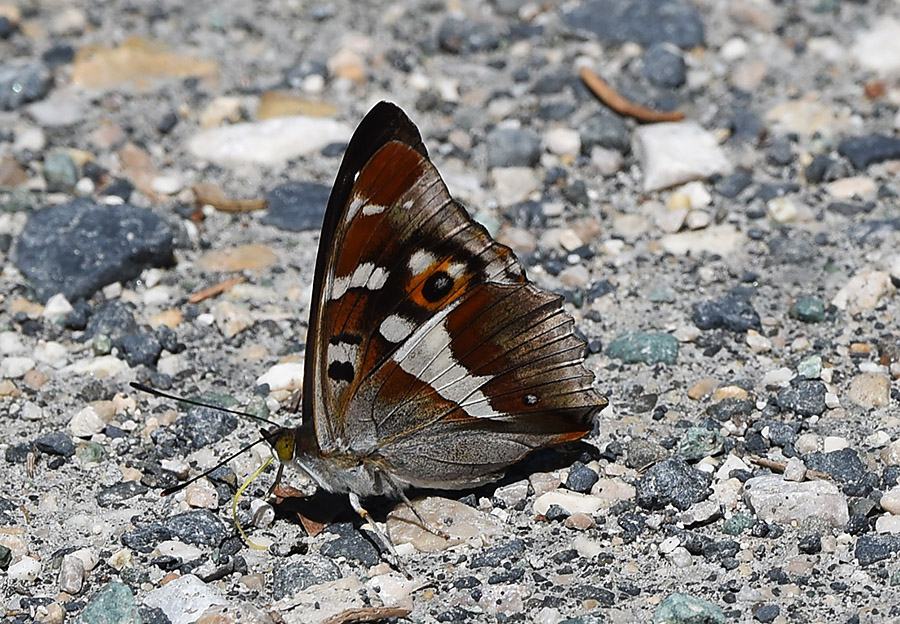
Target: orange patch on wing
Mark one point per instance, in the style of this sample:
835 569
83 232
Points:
417 295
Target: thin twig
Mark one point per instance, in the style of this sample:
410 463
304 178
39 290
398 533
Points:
208 193
367 614
780 466
618 103
215 289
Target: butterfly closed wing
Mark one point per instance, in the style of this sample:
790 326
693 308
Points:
431 360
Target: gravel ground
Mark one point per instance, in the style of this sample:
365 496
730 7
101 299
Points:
735 275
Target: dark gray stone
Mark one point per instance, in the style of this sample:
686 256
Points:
119 492
288 579
202 426
641 453
296 206
873 548
55 443
804 397
863 151
766 613
732 312
350 544
139 349
21 83
581 478
731 185
791 250
459 36
80 247
664 66
644 21
607 130
113 319
780 152
845 467
512 147
494 556
672 482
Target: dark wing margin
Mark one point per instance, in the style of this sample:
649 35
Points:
386 122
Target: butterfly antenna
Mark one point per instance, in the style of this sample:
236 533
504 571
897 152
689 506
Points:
177 488
165 395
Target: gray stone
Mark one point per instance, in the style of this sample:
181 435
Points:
21 83
774 499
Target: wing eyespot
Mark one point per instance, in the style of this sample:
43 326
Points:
437 286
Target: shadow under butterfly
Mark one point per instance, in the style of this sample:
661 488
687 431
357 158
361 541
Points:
431 361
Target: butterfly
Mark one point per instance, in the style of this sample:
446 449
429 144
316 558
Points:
431 361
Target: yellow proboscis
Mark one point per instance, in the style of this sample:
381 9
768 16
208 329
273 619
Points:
237 496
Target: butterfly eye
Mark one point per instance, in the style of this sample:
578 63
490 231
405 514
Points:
437 286
284 446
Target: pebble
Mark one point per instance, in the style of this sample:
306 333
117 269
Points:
202 426
641 453
252 257
26 570
785 209
876 49
184 599
647 347
71 574
283 377
874 548
721 239
201 494
14 367
513 494
857 187
864 291
679 608
870 390
863 151
456 36
733 312
571 502
766 613
350 544
699 442
805 397
271 142
808 310
58 253
581 478
887 524
698 219
462 523
194 527
231 319
890 501
60 171
672 482
646 23
562 142
774 499
757 342
296 206
221 110
674 153
514 184
890 455
664 65
795 470
806 117
55 443
21 83
730 186
513 147
178 550
86 423
607 131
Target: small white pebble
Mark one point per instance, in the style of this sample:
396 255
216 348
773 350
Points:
835 443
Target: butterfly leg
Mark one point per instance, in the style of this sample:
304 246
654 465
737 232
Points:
276 481
422 521
382 536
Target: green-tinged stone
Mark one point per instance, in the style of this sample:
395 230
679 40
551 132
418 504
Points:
895 578
808 310
5 557
90 452
115 604
647 347
60 171
101 344
134 577
219 399
662 294
810 367
583 619
736 524
16 201
683 609
257 406
699 442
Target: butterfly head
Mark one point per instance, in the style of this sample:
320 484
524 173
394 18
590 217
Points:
283 443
